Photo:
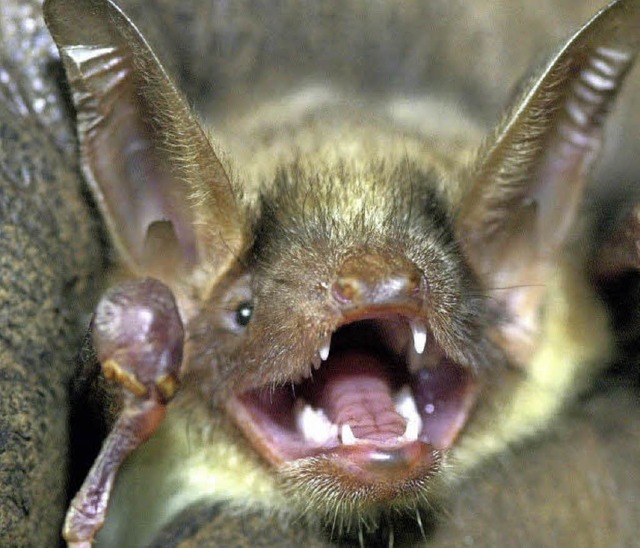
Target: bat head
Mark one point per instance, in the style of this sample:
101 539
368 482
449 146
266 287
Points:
373 318
367 336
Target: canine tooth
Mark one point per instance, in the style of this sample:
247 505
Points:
406 407
405 404
324 350
411 432
314 424
419 335
346 435
316 361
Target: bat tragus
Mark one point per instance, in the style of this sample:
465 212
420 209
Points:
339 321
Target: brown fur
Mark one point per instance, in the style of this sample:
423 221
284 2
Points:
477 82
342 180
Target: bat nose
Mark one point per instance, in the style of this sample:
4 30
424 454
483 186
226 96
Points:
377 280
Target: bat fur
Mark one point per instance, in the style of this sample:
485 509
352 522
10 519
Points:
321 177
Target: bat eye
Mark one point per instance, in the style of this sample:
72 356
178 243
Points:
244 313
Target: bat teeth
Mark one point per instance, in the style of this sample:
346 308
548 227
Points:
405 405
346 435
412 431
314 424
419 331
316 428
324 349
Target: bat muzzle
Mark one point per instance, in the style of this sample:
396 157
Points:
380 405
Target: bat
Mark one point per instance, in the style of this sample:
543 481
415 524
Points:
344 317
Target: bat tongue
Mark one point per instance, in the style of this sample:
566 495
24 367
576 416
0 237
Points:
355 388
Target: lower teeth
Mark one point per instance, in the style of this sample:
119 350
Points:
317 429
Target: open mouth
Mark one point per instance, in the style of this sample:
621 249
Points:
380 389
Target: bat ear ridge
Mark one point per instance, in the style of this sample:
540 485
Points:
143 152
525 185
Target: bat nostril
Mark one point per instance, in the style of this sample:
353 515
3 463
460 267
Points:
349 289
397 287
372 279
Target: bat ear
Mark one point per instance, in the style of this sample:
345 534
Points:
525 185
163 192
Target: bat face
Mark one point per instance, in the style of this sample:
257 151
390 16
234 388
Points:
386 319
367 314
